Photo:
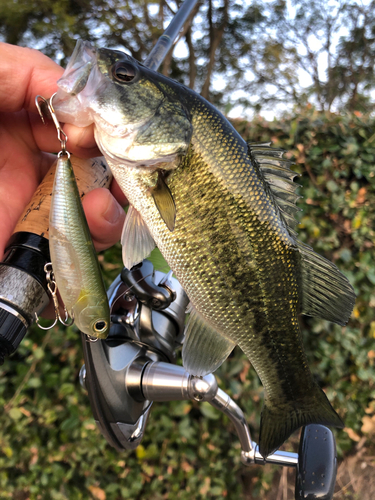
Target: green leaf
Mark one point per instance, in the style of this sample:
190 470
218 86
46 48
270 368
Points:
34 383
332 186
209 411
15 413
158 261
371 275
70 423
38 353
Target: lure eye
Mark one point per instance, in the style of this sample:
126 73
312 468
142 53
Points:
100 326
124 72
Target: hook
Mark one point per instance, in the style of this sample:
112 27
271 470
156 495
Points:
44 327
52 288
65 322
61 135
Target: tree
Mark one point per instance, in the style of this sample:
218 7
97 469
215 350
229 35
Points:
256 54
53 26
322 52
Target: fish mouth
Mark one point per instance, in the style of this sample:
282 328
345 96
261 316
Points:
74 88
79 67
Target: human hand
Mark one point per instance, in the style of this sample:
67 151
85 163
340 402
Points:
26 146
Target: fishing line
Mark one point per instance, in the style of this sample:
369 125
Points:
123 294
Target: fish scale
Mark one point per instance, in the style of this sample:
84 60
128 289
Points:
230 282
222 214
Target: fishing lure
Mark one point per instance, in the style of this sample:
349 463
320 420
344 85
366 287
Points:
74 260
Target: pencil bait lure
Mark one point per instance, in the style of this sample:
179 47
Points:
73 256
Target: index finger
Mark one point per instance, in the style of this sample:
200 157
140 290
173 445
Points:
25 73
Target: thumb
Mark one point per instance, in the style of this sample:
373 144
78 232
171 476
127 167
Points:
105 217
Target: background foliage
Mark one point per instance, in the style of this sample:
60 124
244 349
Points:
259 55
49 445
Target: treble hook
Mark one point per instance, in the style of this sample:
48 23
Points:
52 288
61 135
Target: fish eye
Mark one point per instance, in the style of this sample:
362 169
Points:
124 71
100 326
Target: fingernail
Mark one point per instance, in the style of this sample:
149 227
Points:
113 212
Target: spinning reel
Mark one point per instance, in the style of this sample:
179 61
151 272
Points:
135 366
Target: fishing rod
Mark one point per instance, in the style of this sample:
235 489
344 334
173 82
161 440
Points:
23 285
165 42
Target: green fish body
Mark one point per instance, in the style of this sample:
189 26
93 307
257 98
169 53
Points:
73 256
221 213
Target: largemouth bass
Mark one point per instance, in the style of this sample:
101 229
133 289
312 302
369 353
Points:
221 213
73 256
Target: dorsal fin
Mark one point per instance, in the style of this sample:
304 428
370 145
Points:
278 177
324 291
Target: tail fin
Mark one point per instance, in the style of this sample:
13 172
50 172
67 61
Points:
279 421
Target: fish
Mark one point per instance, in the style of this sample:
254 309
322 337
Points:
73 256
221 211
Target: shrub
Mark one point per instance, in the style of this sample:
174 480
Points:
49 445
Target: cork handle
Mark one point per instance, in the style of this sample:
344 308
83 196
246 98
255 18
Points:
90 174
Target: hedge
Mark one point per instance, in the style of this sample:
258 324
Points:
49 445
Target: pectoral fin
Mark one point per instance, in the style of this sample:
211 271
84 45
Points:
164 202
137 242
204 349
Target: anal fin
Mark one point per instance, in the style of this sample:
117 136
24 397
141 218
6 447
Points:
204 349
137 242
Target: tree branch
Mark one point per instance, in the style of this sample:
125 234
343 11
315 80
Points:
215 38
